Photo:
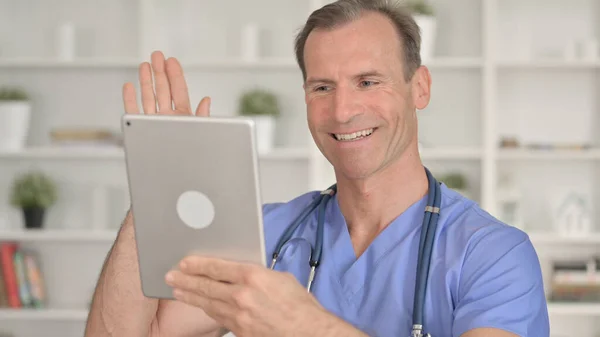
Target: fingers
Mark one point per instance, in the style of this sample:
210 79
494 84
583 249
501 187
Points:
147 87
216 269
200 285
179 89
163 91
203 108
164 88
129 99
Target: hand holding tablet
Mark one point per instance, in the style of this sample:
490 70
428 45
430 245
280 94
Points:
193 181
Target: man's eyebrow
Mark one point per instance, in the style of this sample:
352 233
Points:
313 80
368 73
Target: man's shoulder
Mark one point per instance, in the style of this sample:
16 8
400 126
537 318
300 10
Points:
498 278
466 223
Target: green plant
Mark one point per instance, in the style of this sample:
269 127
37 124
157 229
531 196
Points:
420 7
33 189
258 102
454 181
13 94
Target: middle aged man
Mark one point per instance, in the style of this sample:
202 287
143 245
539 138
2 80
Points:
363 83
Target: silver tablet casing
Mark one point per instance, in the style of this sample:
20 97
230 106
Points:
167 155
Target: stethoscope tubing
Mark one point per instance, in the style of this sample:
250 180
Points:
429 227
425 249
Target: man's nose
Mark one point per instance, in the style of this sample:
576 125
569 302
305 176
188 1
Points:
345 104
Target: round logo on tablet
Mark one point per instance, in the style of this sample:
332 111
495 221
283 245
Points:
195 209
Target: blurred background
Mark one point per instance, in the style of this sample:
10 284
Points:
513 124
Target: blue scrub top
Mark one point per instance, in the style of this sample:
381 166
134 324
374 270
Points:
483 272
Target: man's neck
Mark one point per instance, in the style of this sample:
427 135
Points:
370 205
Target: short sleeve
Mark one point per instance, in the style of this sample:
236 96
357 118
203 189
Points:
501 285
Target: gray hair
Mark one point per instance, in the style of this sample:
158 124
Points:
344 11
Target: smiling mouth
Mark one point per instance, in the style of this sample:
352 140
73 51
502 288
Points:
350 137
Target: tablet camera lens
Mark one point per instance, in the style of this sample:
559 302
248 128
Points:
128 123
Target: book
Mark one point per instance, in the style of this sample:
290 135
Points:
7 252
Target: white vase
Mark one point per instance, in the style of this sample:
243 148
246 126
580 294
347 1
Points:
265 132
250 47
428 26
14 125
65 40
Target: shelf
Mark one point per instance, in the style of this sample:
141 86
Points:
549 64
116 153
557 239
75 152
82 63
450 153
58 235
454 63
525 154
575 309
132 64
43 314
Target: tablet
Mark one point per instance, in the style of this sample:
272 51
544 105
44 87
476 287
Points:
194 187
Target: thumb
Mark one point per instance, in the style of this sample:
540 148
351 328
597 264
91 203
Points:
203 109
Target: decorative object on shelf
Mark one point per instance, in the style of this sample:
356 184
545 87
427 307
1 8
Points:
507 142
65 41
457 182
589 49
262 107
21 281
250 47
573 215
15 116
424 15
34 192
575 281
581 50
571 52
86 137
509 202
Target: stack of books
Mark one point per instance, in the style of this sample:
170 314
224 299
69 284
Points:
21 282
576 281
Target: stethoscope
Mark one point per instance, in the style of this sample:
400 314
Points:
432 213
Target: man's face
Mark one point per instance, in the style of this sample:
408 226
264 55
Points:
361 111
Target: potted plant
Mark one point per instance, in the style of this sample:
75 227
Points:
15 111
33 192
424 16
263 108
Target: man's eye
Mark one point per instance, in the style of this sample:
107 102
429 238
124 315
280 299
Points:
321 88
367 83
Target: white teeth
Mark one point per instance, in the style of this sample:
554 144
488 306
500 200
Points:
353 136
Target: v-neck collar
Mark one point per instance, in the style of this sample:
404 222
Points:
351 272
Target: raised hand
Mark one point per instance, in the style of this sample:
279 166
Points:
169 84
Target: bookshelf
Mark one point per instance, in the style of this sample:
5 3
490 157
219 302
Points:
29 315
488 82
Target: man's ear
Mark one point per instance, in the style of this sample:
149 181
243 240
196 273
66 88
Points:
421 87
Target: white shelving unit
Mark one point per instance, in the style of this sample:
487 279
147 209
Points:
30 315
496 73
